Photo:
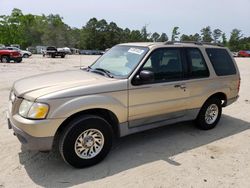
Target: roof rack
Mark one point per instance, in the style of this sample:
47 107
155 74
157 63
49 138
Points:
193 42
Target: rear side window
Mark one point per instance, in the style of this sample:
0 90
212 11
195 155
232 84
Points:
197 64
221 61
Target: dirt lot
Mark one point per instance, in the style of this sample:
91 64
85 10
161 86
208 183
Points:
172 156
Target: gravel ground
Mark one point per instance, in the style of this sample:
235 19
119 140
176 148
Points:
173 156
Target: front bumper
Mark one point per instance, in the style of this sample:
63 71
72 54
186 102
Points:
34 134
29 142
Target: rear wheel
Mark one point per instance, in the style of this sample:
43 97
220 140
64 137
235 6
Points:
63 56
86 141
5 59
209 114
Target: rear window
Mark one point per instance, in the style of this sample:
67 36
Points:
221 61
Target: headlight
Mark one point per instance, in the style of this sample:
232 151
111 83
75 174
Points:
34 110
25 107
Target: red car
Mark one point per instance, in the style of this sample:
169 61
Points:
244 53
9 55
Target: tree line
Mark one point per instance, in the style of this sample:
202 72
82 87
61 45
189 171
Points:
32 30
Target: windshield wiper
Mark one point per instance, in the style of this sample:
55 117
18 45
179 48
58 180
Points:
108 73
88 68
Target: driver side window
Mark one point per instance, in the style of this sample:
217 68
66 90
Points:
165 64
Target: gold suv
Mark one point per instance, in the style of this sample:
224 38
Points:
131 88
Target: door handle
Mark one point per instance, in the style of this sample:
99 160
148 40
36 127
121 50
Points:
181 86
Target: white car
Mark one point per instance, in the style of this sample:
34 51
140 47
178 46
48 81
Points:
25 54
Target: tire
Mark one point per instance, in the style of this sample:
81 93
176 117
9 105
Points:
71 142
209 114
25 56
5 59
62 56
53 55
19 60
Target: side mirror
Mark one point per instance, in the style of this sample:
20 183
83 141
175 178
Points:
145 76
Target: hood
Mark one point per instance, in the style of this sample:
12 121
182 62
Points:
7 51
65 83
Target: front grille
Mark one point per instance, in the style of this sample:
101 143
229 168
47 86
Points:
14 103
12 97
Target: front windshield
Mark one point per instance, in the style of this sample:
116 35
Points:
120 60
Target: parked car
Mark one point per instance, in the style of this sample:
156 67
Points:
10 55
133 87
25 53
85 52
32 49
91 52
67 50
74 51
16 45
235 54
244 53
53 52
98 52
40 49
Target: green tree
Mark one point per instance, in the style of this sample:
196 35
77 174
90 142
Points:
175 33
245 43
55 32
234 41
135 36
163 38
125 36
206 34
217 33
224 39
155 36
185 38
31 30
4 29
145 34
195 37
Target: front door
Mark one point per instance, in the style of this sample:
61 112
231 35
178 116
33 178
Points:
164 97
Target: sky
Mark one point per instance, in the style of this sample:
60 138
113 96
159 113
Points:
158 15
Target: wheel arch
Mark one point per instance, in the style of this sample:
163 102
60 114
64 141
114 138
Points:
4 55
220 95
106 114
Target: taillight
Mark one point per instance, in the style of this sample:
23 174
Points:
238 85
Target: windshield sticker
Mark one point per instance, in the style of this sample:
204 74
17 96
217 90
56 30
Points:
135 51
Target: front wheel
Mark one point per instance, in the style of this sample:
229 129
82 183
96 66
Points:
86 141
19 60
209 114
25 55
